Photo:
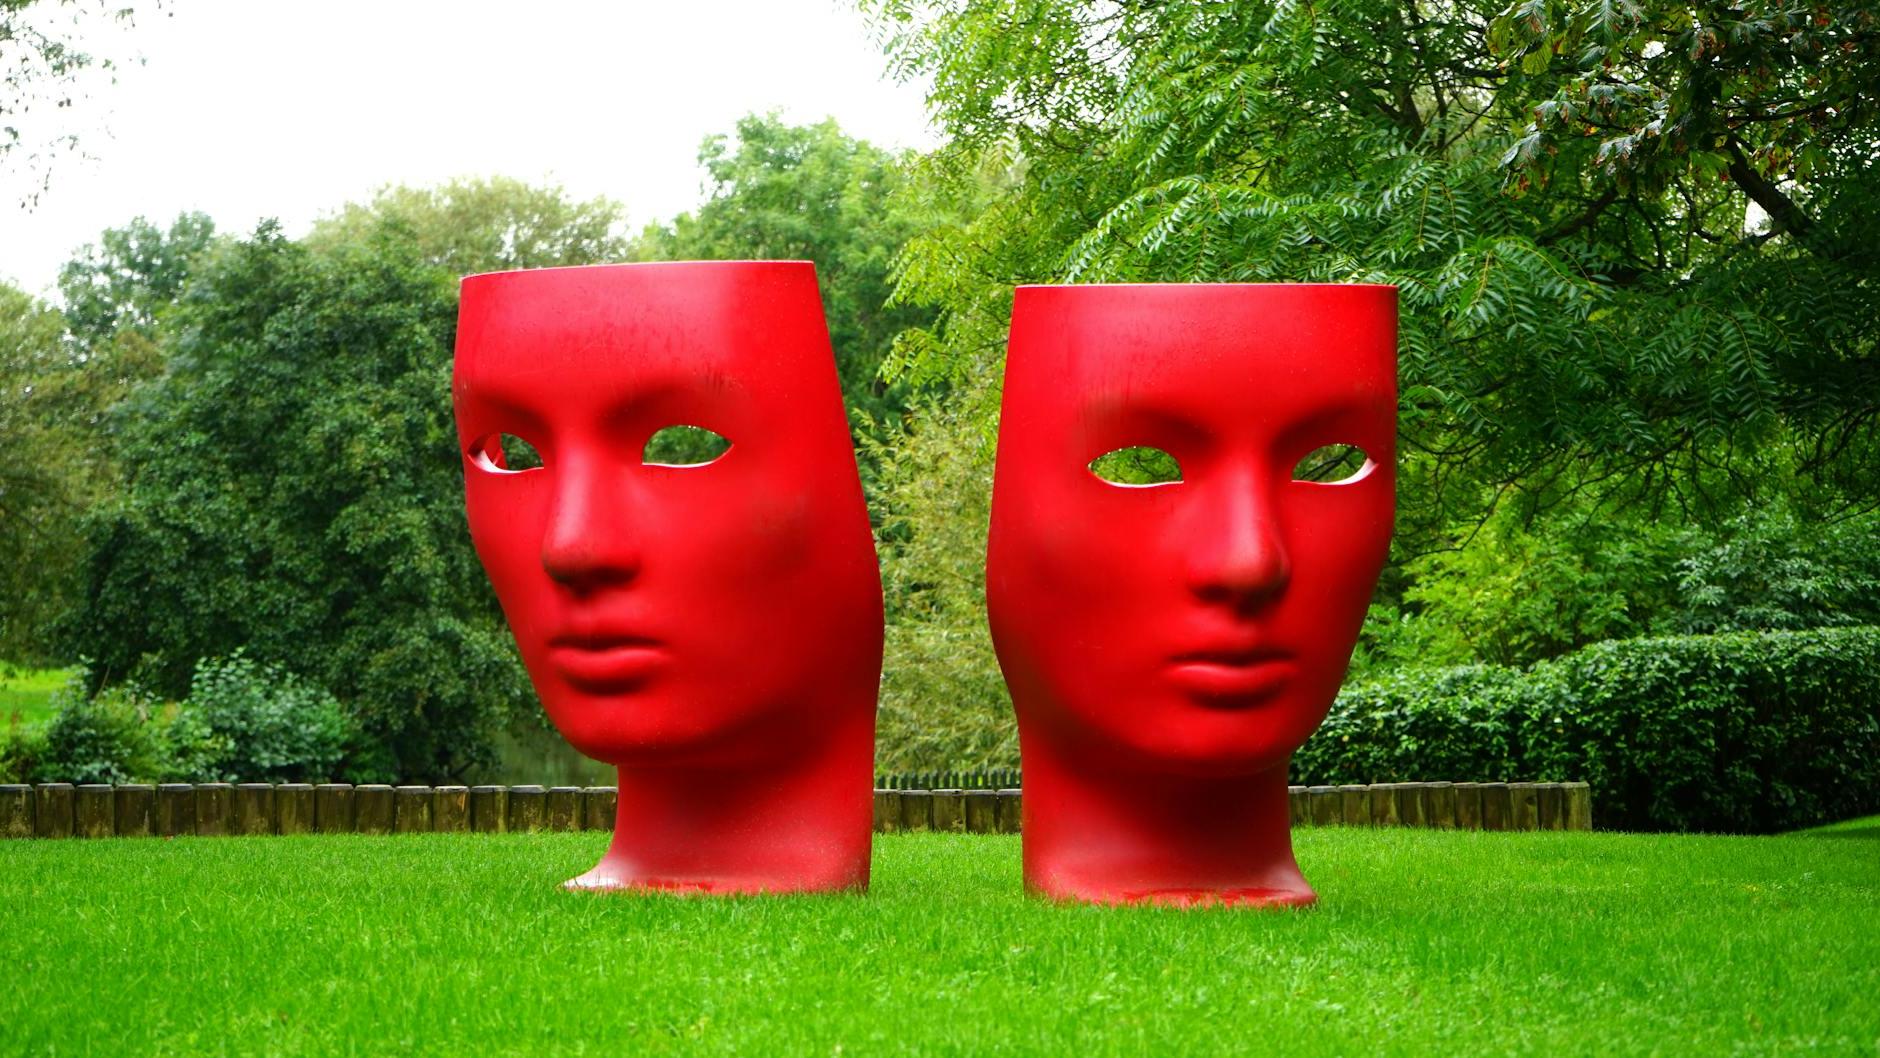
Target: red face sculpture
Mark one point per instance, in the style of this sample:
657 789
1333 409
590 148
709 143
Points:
712 628
1168 645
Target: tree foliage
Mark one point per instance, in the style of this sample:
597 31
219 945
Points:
60 375
1570 319
492 225
943 703
1523 590
129 275
292 488
45 476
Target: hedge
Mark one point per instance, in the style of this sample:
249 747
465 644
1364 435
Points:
1747 732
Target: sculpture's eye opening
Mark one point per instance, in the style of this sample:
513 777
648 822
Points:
1136 467
505 453
681 445
1332 465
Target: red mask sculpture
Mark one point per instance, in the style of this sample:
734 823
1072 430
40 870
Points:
1168 646
713 630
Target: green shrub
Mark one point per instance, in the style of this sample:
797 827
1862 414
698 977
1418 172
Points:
248 722
1418 726
243 722
1744 732
113 737
22 746
943 702
1772 568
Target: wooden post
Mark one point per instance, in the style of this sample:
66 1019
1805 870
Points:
176 809
1524 798
598 806
16 811
52 814
1413 804
136 810
450 809
1326 806
1441 803
93 811
527 807
254 808
949 810
1384 805
1355 805
293 808
1011 811
1469 806
564 808
489 809
916 810
1579 806
334 809
212 808
887 811
372 808
411 810
982 811
1298 806
1552 809
1497 806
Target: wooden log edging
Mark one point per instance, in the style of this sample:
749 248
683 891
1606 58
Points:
62 810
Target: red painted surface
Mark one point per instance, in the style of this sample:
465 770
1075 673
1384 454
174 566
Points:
1169 646
715 630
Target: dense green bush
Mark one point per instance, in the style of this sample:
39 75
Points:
248 722
1744 732
114 736
22 747
243 722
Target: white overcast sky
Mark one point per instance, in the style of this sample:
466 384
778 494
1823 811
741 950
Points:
246 109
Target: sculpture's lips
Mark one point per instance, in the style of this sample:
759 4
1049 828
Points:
1232 675
606 661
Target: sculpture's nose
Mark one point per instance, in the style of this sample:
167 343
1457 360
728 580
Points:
1237 555
590 541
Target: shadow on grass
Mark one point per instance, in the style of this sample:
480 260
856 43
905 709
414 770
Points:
1864 829
1868 834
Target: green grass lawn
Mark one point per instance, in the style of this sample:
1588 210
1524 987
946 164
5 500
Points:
1425 943
28 692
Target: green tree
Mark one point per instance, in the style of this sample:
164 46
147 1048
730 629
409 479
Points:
44 478
471 226
130 274
292 488
60 375
943 703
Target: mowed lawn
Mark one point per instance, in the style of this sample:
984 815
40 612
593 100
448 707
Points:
27 693
1425 943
